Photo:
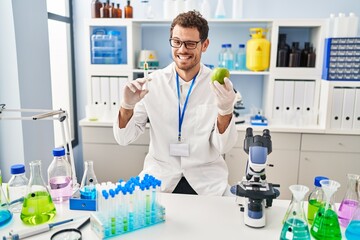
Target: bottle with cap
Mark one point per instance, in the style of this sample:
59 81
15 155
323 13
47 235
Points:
59 176
17 186
316 199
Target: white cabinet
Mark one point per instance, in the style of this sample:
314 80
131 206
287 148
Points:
333 156
112 161
284 158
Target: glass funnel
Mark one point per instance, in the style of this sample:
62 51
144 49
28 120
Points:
353 230
5 213
38 206
326 223
350 201
295 223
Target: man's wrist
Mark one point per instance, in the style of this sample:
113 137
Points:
127 106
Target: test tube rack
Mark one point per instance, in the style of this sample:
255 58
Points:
127 206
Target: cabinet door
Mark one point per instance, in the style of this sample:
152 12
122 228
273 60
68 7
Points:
284 172
335 166
113 162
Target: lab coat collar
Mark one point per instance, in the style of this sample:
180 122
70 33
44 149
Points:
170 71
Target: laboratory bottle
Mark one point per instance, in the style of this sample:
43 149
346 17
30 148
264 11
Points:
257 50
205 9
96 5
220 9
353 23
283 52
88 182
304 55
17 186
240 58
316 199
352 232
229 57
105 10
59 176
221 62
117 13
295 225
350 201
38 206
295 55
330 27
311 59
340 26
128 10
5 213
326 223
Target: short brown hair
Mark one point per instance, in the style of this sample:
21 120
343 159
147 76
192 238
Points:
192 19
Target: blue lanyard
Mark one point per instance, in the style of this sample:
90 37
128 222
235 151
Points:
182 114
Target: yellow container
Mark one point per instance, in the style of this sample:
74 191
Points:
257 50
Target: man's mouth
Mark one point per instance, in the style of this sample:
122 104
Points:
184 57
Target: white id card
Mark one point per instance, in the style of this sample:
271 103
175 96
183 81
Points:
179 150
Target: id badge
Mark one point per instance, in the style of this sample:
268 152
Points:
179 150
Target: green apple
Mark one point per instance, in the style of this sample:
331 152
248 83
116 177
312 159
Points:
219 74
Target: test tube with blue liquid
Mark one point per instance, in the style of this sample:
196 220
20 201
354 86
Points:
5 213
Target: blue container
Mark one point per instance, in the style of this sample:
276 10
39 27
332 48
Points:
106 47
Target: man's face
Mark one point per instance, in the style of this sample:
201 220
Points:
186 59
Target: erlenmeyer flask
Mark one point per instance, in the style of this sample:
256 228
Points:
38 206
350 201
5 213
87 187
295 223
326 223
353 230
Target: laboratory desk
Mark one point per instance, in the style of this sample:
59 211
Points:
187 217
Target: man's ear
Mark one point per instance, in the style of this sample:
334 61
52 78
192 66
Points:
205 45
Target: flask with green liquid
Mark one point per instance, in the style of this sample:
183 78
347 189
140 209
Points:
316 199
38 206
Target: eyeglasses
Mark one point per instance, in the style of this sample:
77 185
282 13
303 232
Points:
176 43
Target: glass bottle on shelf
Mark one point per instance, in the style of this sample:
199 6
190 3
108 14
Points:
229 57
295 55
326 223
117 13
5 214
240 58
105 10
128 10
311 58
350 201
38 206
316 199
17 186
221 62
96 5
295 224
59 176
283 52
87 187
304 55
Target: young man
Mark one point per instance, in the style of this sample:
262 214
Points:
191 121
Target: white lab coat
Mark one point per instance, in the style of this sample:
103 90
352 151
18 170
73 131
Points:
205 169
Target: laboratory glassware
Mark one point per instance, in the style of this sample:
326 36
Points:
128 10
295 224
38 206
352 232
16 187
87 187
220 9
105 11
350 201
326 223
240 59
59 176
316 199
5 213
95 8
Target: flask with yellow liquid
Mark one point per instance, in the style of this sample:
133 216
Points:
257 50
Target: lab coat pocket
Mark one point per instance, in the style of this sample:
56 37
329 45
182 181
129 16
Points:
205 118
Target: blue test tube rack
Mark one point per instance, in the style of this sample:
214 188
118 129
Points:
127 206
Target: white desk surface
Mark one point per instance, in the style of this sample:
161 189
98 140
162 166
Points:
187 217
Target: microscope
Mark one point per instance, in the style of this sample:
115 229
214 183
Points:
258 193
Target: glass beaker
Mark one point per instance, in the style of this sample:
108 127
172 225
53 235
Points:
352 232
350 201
87 187
295 223
38 206
326 223
5 213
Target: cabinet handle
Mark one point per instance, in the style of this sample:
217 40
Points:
340 144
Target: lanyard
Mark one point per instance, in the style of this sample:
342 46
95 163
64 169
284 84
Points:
182 114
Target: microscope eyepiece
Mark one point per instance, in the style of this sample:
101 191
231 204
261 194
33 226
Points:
266 133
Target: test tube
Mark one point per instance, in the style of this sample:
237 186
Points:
146 75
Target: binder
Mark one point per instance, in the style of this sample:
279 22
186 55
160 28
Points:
336 107
105 92
309 96
288 94
95 90
348 108
114 93
299 96
278 98
122 83
356 118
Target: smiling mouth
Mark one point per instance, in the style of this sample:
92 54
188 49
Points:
184 57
